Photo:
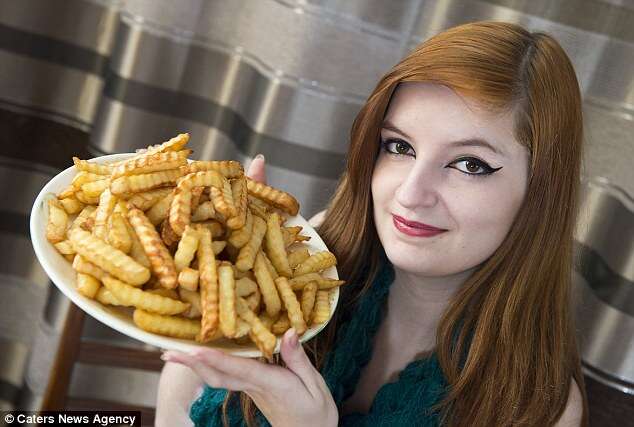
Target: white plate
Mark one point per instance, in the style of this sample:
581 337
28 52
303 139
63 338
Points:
120 318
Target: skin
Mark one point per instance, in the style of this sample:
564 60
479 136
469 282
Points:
421 182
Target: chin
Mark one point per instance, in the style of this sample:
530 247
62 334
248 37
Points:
416 261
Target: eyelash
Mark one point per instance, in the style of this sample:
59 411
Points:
488 170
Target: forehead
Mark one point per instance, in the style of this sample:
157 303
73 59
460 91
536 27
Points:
434 113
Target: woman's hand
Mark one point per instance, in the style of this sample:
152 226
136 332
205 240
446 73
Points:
256 169
293 396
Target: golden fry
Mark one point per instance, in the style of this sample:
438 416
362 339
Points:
85 177
293 307
87 285
64 247
274 245
278 198
57 222
95 188
227 294
223 202
83 266
262 337
208 283
298 256
118 235
110 259
180 210
192 297
241 237
227 168
239 193
298 282
130 295
186 248
152 163
161 209
106 206
245 286
171 326
160 259
321 311
147 199
94 168
282 324
127 185
316 262
71 205
309 294
188 279
106 297
246 256
137 252
267 286
270 267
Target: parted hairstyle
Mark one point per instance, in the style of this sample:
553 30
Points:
506 342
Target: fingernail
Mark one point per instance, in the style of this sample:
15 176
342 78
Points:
294 339
166 357
259 156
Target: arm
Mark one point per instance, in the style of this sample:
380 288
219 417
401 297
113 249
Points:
178 387
574 408
316 220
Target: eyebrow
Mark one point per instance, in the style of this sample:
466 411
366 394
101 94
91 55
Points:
468 142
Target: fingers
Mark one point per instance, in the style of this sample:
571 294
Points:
297 361
214 377
256 169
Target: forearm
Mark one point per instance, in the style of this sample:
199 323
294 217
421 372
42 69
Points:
178 387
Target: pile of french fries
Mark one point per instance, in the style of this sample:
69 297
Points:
198 249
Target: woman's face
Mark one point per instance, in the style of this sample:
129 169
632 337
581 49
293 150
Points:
448 164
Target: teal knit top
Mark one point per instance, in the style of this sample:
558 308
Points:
405 402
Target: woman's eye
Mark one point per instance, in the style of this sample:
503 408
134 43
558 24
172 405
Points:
473 166
399 147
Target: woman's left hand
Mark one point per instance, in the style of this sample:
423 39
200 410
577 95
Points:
291 396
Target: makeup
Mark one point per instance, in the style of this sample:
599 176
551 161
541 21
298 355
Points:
414 228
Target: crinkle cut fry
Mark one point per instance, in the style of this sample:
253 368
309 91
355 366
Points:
264 339
278 198
180 209
227 168
152 163
160 258
108 258
127 185
208 284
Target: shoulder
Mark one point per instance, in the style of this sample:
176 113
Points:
317 219
574 408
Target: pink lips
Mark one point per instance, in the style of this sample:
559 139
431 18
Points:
413 228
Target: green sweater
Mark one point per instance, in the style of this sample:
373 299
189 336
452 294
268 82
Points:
405 402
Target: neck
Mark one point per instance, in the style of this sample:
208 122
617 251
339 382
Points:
416 303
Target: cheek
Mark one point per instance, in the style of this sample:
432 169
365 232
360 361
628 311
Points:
485 217
385 181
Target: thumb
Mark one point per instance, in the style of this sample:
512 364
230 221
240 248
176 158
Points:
297 361
255 170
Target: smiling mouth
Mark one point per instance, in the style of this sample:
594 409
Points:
413 228
415 224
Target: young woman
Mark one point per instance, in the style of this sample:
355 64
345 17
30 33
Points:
453 226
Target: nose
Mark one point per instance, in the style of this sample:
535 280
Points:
418 188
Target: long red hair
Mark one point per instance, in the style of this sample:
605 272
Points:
515 354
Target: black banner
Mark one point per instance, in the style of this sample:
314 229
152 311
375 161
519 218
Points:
71 418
